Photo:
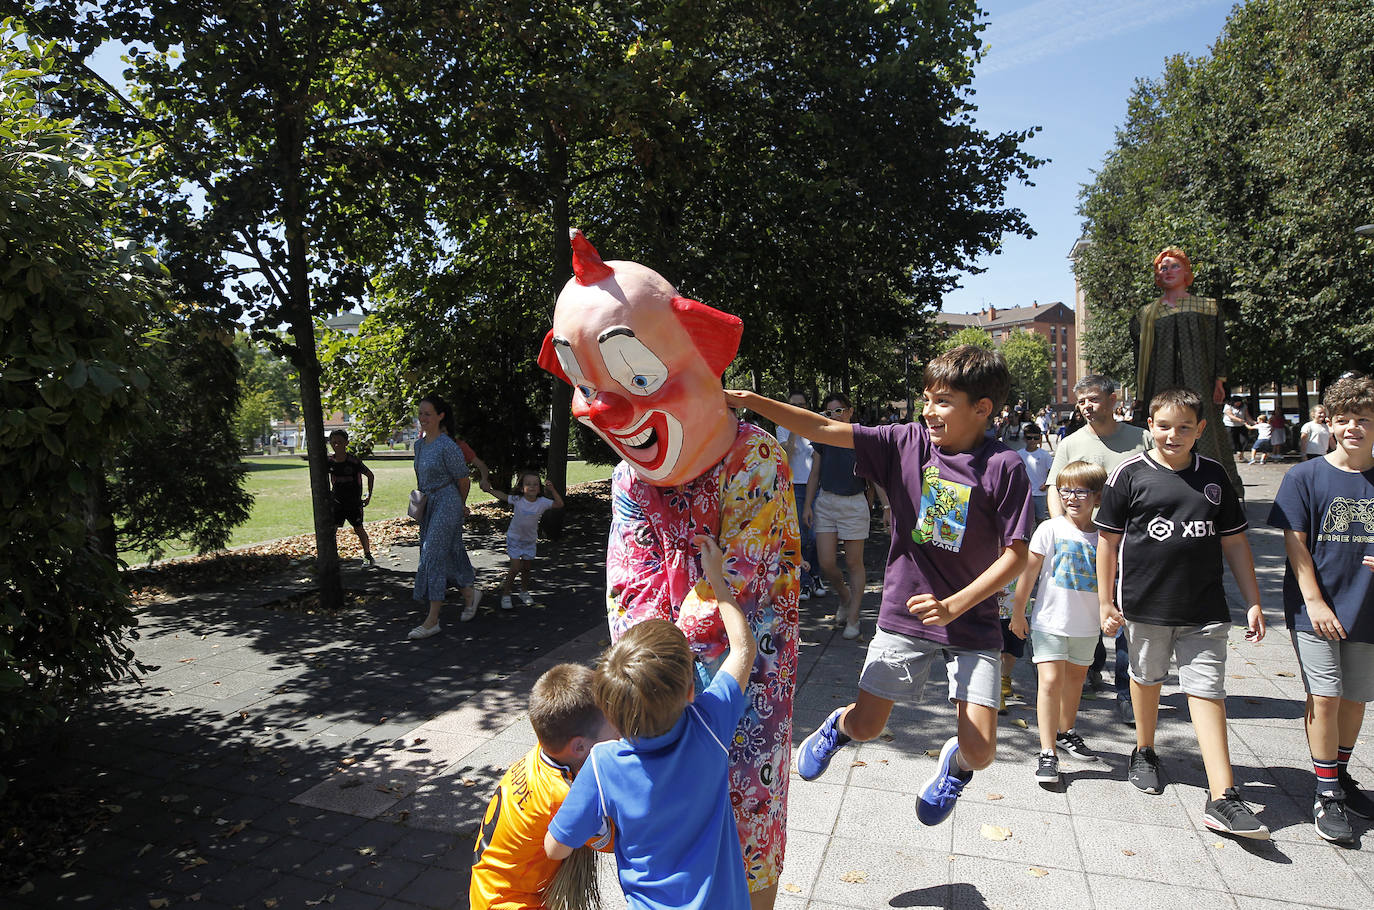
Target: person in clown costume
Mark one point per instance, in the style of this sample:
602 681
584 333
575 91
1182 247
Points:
645 366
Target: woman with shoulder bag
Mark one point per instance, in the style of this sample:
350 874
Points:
441 475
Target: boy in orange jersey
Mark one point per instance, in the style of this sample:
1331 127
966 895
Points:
509 868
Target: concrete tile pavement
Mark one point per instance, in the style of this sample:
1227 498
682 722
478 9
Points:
285 760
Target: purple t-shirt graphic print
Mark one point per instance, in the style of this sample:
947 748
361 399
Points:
952 516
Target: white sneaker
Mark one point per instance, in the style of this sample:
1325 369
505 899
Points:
470 610
368 562
505 602
423 631
850 632
526 598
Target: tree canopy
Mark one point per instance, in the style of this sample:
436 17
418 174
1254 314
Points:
1255 160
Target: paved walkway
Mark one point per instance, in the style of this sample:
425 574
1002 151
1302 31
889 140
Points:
285 760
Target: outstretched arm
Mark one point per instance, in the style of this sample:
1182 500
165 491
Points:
797 420
740 661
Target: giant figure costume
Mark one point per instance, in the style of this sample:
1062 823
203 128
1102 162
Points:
645 366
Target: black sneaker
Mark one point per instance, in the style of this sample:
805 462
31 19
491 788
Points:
1328 813
1144 773
1230 815
1357 802
1047 768
1124 711
1073 744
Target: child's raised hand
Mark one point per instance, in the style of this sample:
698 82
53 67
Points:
712 557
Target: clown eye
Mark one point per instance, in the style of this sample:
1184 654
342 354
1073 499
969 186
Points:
633 365
568 361
586 390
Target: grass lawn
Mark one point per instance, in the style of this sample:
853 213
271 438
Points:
281 489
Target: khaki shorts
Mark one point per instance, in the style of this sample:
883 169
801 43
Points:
847 516
1199 649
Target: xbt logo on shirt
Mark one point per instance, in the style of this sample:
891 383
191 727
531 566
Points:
1162 528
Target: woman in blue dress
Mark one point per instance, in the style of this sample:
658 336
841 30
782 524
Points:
441 474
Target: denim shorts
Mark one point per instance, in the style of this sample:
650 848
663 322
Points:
1199 649
897 666
1335 669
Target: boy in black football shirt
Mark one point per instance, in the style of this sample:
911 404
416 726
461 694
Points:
346 472
1168 516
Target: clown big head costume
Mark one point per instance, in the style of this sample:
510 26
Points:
645 366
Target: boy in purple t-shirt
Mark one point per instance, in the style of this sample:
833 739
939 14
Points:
961 518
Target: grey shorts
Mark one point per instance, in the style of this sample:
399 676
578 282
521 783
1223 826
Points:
1199 649
897 666
1049 646
1335 669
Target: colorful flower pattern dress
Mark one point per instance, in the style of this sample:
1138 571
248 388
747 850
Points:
653 572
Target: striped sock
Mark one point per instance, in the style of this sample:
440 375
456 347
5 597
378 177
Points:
1343 758
1328 778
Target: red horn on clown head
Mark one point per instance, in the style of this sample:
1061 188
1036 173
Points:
586 261
715 334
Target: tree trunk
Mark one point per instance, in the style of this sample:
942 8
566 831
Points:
560 411
1304 407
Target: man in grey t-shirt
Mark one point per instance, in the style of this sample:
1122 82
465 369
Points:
1107 442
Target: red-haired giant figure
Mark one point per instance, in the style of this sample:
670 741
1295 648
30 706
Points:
645 365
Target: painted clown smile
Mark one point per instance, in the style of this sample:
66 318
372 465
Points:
653 444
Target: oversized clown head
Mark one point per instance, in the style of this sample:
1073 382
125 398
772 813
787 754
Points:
645 366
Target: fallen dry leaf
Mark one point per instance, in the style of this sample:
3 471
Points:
269 902
1284 673
933 753
858 764
157 903
1038 872
197 861
995 832
366 851
1020 722
854 877
348 761
995 796
1220 845
791 888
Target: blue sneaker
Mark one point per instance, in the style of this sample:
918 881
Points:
939 794
817 749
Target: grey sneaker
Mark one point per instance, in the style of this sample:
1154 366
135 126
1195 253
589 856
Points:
1230 815
1328 814
1073 744
1144 773
1125 712
1047 768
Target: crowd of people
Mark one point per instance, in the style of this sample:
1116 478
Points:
674 753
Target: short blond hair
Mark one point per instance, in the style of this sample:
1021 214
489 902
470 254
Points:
563 705
1082 474
644 679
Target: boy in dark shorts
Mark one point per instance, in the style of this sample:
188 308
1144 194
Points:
346 471
961 521
1326 510
1167 518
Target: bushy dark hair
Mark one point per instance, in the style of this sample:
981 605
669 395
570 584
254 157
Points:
563 705
1349 395
644 679
1177 398
973 370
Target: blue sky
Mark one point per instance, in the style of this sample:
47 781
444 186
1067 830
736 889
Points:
1067 66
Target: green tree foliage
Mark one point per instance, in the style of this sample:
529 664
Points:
811 168
1253 159
967 335
253 417
260 369
178 476
73 299
1028 358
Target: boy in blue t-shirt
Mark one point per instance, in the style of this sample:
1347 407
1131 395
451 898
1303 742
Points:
961 517
664 785
1326 510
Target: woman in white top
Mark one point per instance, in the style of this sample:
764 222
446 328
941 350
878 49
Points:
1315 435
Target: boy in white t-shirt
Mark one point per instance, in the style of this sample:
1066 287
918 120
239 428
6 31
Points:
522 537
1063 555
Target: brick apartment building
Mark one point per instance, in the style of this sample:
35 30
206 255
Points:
1054 321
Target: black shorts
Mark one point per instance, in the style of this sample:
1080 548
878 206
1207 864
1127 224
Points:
351 512
1011 644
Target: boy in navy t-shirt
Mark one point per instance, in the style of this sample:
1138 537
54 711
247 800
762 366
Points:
961 517
1326 510
1167 518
